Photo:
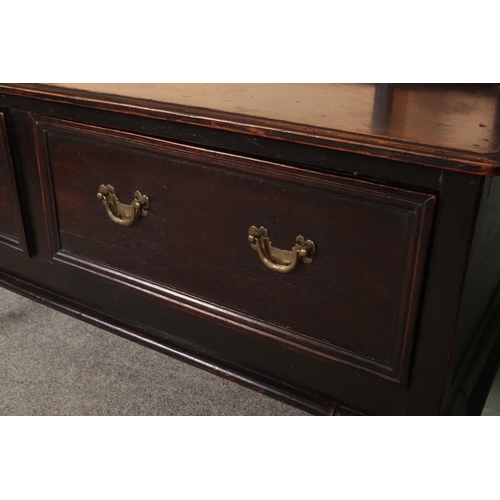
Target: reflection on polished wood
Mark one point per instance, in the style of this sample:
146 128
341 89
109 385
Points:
450 116
449 126
459 116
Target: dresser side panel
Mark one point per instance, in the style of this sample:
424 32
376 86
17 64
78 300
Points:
454 227
481 294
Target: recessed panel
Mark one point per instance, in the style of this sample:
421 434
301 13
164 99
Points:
352 300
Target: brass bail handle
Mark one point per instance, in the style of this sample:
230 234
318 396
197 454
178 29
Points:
118 212
282 261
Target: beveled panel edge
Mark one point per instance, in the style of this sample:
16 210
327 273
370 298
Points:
48 197
10 241
419 231
486 164
19 241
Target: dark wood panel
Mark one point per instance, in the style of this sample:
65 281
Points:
449 254
483 273
8 224
202 205
23 144
480 300
11 228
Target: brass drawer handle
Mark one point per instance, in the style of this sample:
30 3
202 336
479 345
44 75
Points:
282 261
120 213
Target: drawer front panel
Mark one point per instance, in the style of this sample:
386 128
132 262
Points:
10 218
354 303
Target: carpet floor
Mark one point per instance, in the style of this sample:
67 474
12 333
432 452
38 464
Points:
52 364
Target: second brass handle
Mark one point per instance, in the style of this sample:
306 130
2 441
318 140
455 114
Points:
118 212
282 261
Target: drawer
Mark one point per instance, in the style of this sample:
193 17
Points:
354 303
11 232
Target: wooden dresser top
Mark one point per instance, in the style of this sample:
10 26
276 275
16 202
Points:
451 126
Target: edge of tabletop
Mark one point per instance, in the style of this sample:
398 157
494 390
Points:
370 145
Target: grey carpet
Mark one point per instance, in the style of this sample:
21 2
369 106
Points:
52 364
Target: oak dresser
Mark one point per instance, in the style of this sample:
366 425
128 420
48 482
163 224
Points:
334 246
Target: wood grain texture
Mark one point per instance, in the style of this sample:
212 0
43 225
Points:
446 126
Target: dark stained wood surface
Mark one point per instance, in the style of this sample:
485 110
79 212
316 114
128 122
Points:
453 231
9 208
480 299
447 116
447 126
7 221
202 205
95 280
